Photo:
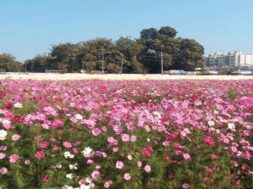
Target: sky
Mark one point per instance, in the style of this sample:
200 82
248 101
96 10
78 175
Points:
31 27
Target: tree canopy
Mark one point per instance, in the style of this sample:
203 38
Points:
127 55
8 63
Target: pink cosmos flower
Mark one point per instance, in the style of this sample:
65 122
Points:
82 181
127 176
234 149
147 168
237 182
206 179
186 156
56 148
186 186
104 129
3 148
96 131
133 138
178 152
112 141
95 175
6 124
125 137
15 137
119 165
183 133
44 145
147 151
90 161
208 170
75 150
13 158
103 87
171 136
57 123
209 140
39 155
115 149
214 157
107 184
67 144
3 170
45 178
139 163
2 155
27 162
53 139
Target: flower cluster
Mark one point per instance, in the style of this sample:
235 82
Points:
126 134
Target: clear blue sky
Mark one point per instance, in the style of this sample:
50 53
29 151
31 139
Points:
30 27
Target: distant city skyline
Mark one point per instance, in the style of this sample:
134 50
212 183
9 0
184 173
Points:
232 59
31 27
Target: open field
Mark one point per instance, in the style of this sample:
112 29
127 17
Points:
91 134
76 76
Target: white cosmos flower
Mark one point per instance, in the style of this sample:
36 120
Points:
87 151
68 155
78 116
72 104
6 121
211 123
231 126
18 105
187 130
98 167
3 134
67 187
70 176
198 103
218 131
58 166
157 114
73 166
130 157
45 126
88 180
215 112
88 186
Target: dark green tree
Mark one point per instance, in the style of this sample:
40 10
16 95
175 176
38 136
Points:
167 31
91 53
66 54
150 56
130 49
124 55
38 64
8 63
177 53
149 34
190 55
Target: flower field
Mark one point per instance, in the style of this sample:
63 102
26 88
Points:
85 134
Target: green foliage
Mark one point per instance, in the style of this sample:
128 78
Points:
125 54
167 31
9 64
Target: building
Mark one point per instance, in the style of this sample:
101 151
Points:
232 59
246 60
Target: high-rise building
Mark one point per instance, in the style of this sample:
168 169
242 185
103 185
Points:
232 59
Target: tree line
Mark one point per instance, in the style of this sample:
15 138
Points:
142 55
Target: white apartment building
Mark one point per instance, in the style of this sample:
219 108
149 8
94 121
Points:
215 59
232 59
